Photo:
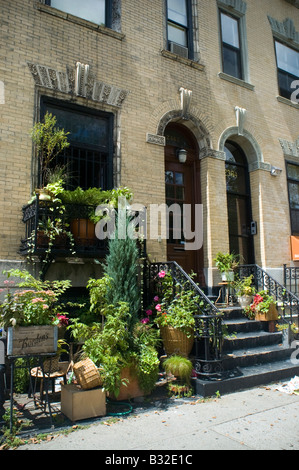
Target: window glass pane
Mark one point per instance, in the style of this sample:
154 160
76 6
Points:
179 178
177 11
232 62
230 30
91 10
293 171
294 195
84 129
177 34
287 59
169 177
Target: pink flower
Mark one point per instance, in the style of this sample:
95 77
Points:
149 312
158 307
144 320
45 306
162 274
156 299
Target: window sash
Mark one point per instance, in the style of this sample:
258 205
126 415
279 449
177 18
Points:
287 61
232 63
96 11
179 21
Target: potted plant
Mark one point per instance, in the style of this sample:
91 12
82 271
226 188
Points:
181 368
175 315
49 141
126 355
263 308
226 264
30 313
84 216
244 290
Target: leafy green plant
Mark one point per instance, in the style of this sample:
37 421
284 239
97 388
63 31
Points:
261 304
37 302
226 262
244 286
177 306
116 346
179 366
49 141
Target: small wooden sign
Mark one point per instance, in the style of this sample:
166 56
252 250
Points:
25 340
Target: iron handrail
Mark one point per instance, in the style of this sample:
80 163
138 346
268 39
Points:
208 329
287 301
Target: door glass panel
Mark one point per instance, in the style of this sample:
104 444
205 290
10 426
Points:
179 178
180 193
169 177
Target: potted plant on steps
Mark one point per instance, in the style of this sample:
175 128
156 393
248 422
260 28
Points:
244 290
175 315
263 308
226 264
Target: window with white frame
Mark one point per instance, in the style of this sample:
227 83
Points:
179 27
97 11
232 63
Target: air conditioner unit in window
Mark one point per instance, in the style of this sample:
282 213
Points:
179 50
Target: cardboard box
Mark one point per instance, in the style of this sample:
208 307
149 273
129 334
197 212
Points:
79 404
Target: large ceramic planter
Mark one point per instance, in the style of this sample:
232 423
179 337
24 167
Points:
245 300
132 388
26 340
176 341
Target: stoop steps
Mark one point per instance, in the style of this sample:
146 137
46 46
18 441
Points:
251 356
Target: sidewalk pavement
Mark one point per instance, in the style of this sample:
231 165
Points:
262 418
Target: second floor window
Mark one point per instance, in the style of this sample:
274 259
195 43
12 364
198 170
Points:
287 68
179 31
96 11
231 46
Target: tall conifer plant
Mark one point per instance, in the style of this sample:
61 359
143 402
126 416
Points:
122 267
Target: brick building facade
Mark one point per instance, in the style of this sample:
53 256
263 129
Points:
212 77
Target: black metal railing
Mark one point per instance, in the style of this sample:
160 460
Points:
291 278
208 321
287 301
55 230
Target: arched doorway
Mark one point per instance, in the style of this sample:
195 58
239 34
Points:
238 202
182 186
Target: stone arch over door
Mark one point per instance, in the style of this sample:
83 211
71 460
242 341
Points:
249 146
191 122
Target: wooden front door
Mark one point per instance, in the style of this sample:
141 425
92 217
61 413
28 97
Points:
182 186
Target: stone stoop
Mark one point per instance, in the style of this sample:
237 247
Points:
251 357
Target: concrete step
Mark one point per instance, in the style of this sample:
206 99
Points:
242 378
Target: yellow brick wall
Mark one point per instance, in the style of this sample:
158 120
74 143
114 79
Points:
133 61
